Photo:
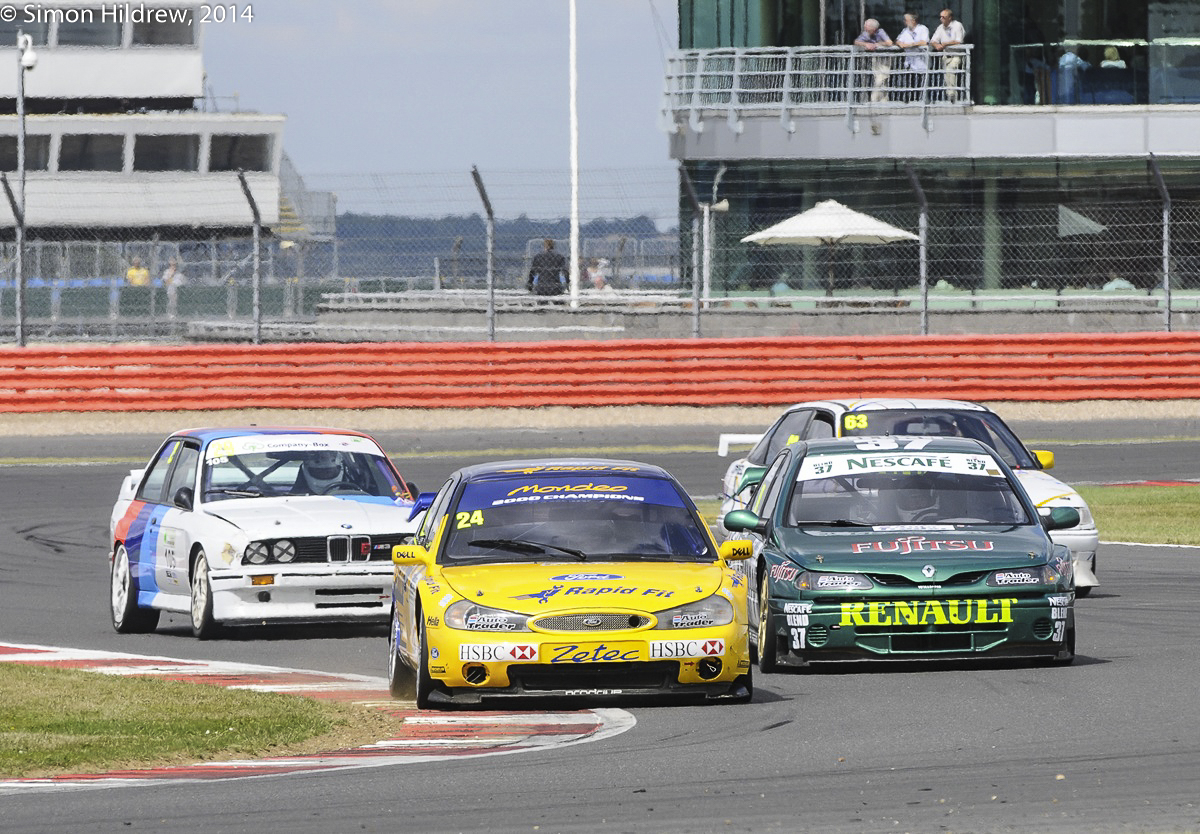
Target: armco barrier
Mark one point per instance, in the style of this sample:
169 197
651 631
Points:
1047 367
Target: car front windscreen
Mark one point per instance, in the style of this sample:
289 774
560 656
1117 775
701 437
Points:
983 426
257 466
587 516
869 489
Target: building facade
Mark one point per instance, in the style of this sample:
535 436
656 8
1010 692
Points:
1055 148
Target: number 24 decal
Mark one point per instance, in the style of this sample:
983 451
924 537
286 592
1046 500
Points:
464 520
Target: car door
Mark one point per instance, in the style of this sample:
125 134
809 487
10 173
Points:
177 522
143 533
763 505
405 596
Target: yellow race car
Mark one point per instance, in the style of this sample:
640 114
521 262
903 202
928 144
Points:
567 578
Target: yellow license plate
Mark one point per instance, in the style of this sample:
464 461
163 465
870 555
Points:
615 652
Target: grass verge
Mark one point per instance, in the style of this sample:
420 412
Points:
58 721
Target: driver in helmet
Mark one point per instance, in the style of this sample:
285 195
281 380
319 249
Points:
319 472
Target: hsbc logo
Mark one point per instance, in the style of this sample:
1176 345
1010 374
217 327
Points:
492 652
666 649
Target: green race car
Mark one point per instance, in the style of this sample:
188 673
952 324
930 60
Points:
876 548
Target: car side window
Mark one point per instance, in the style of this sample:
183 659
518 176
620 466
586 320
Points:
790 428
821 426
768 491
183 476
433 518
155 482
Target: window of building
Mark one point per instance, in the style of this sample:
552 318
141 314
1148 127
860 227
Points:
92 152
238 152
37 153
166 27
166 153
38 31
87 26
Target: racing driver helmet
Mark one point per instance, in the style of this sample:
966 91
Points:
322 470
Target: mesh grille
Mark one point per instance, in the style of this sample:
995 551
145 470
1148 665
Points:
592 622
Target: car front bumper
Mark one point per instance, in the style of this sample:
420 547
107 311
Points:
303 594
470 667
927 628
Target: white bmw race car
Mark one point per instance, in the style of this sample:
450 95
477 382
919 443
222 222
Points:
845 418
258 525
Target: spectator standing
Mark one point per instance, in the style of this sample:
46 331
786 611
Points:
137 275
949 33
548 272
172 279
914 40
871 38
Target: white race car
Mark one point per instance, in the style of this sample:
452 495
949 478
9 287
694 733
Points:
258 525
844 418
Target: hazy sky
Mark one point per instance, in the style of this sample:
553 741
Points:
375 87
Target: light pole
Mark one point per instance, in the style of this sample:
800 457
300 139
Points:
26 60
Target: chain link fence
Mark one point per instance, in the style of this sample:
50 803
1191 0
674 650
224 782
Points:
1054 234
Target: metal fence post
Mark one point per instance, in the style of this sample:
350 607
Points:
257 279
491 255
690 191
1166 240
922 247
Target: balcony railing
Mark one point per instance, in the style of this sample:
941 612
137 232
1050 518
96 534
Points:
785 82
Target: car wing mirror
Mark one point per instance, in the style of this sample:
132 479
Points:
424 502
735 550
740 521
1044 458
407 555
185 498
1059 518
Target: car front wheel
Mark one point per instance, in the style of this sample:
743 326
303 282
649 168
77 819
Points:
766 630
127 617
398 683
204 627
424 681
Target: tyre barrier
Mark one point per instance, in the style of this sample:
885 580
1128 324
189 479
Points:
1055 367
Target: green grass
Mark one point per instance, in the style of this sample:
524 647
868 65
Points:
73 721
1151 514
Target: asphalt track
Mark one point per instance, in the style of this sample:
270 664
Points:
1111 743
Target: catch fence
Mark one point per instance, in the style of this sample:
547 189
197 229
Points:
1087 235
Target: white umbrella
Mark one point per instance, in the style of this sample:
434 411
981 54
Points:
829 223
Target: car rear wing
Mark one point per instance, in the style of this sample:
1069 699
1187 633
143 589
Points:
724 441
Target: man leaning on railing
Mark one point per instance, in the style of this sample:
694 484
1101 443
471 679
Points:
914 40
871 38
949 33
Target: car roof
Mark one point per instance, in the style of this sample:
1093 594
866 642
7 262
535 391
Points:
892 404
562 466
207 435
894 443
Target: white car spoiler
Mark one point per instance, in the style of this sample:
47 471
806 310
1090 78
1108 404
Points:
727 440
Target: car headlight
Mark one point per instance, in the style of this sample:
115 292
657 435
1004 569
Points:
812 581
1085 516
712 611
256 553
469 616
1017 577
283 550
